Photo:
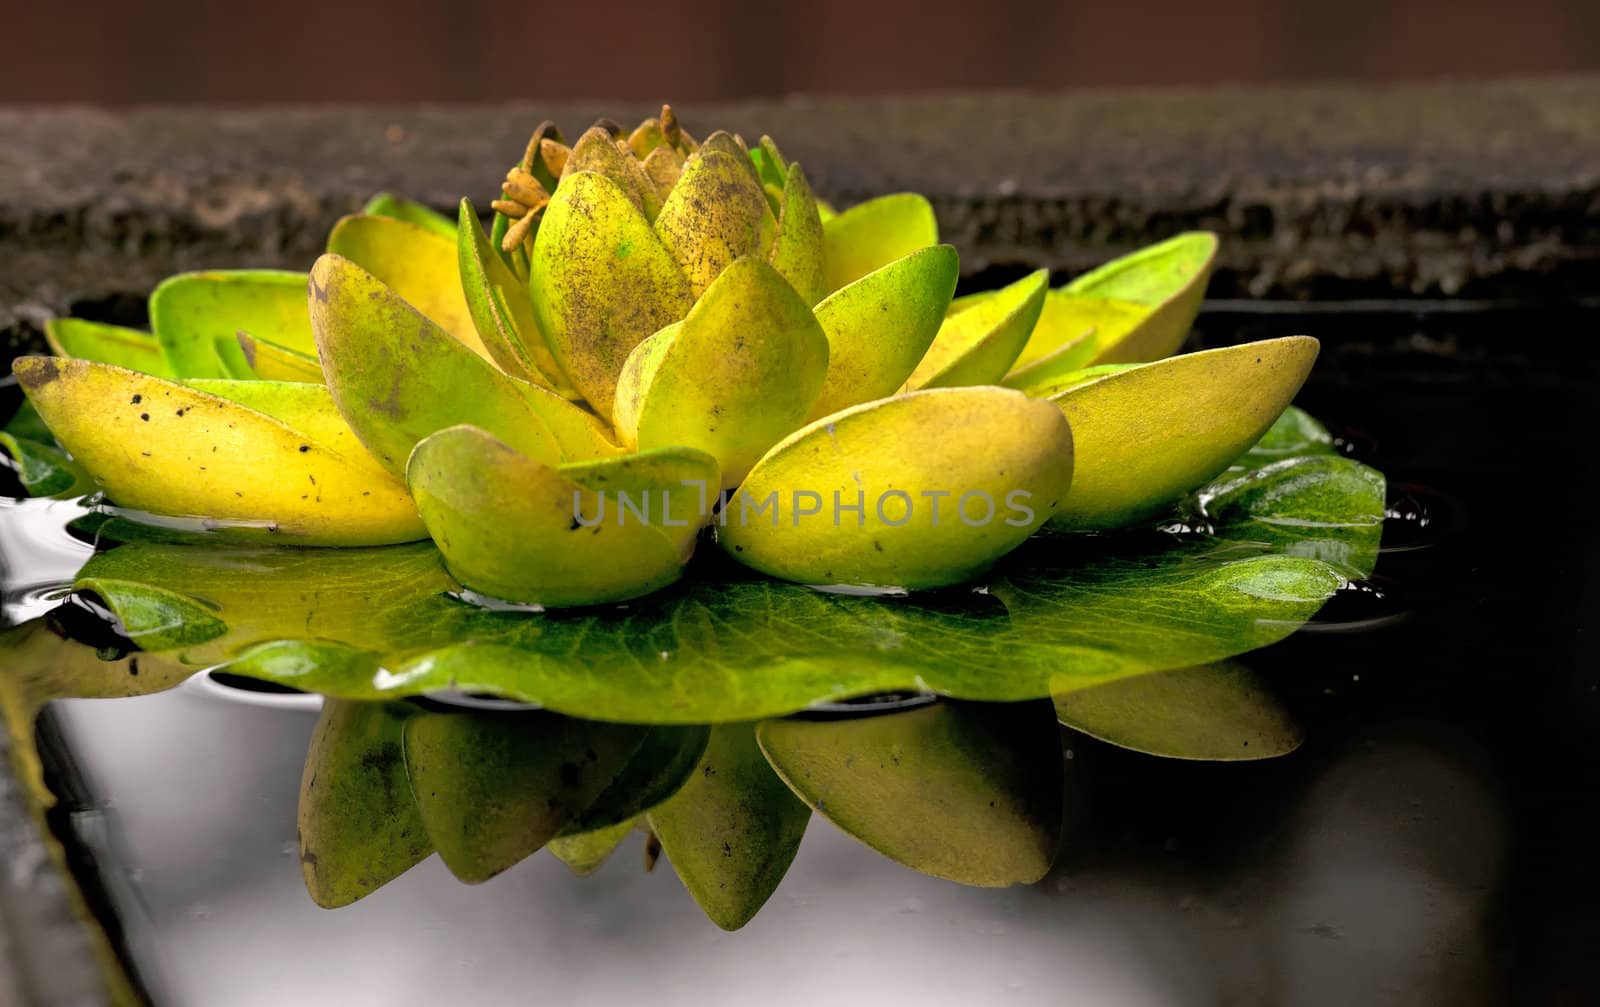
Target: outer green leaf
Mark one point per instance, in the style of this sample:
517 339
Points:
736 376
966 793
978 346
40 466
720 647
492 790
881 325
716 213
1218 713
733 830
1148 435
397 377
602 282
873 234
196 315
108 344
387 204
942 483
359 827
472 488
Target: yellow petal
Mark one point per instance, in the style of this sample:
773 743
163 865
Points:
875 233
1168 278
161 447
1147 435
580 534
735 377
597 151
946 481
272 362
1071 333
602 282
397 377
417 263
978 346
715 214
879 326
797 250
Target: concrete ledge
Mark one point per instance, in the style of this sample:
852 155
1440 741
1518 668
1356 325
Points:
1481 190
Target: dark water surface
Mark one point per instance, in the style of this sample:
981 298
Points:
1432 842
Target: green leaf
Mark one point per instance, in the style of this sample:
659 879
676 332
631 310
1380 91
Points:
492 790
1220 712
387 204
873 234
733 830
398 377
968 793
728 646
195 317
42 468
663 761
359 827
108 344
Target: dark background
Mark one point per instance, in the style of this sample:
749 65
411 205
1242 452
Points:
477 50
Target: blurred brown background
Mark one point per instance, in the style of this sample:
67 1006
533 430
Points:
474 50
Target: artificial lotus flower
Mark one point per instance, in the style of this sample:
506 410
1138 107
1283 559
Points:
657 334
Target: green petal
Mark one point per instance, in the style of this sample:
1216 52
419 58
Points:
398 377
1219 712
875 233
584 852
733 830
970 794
797 250
735 377
1168 278
359 828
164 448
656 771
602 282
1070 334
501 309
1148 435
493 790
518 530
196 315
387 204
717 213
107 344
978 346
597 151
1001 461
271 362
771 167
417 263
881 325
